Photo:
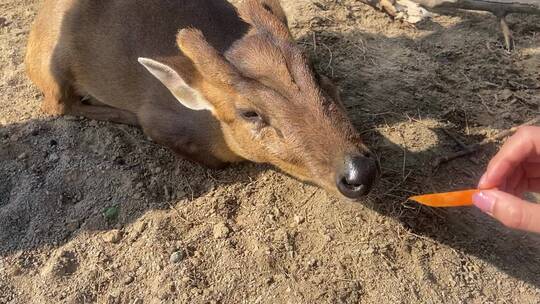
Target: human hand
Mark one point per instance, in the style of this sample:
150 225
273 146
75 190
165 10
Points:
512 172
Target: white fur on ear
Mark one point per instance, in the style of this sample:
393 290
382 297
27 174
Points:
185 94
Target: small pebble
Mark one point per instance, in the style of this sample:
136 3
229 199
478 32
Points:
72 225
506 94
269 219
185 280
54 157
221 231
176 257
113 236
369 250
298 219
311 263
129 280
22 155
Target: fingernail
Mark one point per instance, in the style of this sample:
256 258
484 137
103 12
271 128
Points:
484 202
482 180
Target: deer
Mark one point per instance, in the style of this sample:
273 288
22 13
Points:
215 83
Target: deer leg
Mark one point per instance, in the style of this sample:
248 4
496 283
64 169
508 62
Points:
507 33
60 99
58 94
91 109
54 105
89 100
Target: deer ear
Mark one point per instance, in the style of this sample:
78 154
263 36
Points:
186 95
274 7
206 58
266 15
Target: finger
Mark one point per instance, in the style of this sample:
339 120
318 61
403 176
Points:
534 159
521 188
527 185
533 185
522 145
532 170
512 211
514 180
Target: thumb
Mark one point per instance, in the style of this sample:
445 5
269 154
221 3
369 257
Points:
512 211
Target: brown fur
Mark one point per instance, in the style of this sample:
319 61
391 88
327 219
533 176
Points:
236 61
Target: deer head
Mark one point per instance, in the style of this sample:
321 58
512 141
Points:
272 106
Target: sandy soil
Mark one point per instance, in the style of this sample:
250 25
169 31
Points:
92 212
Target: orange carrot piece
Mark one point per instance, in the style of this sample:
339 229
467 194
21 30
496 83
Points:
448 199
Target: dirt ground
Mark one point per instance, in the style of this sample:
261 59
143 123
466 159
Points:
92 212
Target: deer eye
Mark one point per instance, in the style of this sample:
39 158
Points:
251 116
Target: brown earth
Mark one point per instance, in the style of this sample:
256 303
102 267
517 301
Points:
92 212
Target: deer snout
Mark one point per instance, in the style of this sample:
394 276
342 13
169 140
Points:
357 176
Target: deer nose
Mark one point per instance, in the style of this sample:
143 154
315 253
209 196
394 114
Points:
357 176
